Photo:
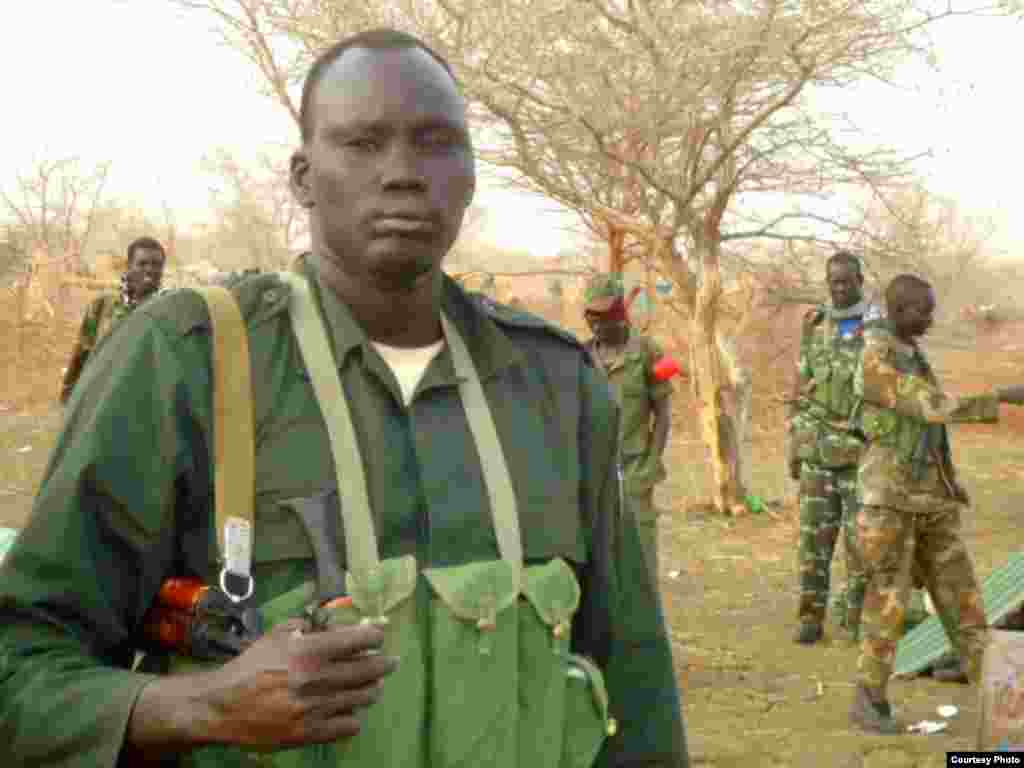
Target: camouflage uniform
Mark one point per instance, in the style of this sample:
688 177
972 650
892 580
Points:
911 502
821 437
100 318
630 372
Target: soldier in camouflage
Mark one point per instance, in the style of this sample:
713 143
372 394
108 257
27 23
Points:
146 258
824 447
911 500
628 358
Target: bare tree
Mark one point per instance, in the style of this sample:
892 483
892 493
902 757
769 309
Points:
257 220
669 128
51 207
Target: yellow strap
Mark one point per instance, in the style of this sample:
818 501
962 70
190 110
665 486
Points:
233 435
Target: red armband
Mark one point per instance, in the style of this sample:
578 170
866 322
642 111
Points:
665 368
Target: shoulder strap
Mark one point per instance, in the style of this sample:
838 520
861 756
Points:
362 553
504 510
360 539
234 447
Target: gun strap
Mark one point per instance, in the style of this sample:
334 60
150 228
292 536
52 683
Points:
233 436
361 542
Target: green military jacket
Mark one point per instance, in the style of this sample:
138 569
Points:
903 412
102 314
820 430
126 501
630 372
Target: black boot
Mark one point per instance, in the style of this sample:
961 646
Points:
872 716
808 634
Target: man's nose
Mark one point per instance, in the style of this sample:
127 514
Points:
402 167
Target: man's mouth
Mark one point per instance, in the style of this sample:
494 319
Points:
400 226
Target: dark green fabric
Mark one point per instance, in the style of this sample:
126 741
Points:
126 502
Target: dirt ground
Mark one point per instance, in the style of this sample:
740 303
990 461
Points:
752 697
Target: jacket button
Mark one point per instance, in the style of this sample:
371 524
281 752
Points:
270 296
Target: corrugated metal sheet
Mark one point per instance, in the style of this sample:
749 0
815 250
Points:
1003 592
6 540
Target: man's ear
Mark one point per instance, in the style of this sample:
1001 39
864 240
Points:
298 177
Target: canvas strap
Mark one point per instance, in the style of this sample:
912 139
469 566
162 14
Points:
361 542
233 439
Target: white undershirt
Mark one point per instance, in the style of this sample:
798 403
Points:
408 364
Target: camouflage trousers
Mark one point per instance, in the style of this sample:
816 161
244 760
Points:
828 503
641 506
895 542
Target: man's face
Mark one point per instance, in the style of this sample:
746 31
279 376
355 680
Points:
388 168
844 284
917 314
145 272
607 329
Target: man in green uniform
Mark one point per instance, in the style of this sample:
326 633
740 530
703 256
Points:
386 172
629 358
823 446
911 500
140 281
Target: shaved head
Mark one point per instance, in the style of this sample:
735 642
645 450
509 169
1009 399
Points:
910 304
904 289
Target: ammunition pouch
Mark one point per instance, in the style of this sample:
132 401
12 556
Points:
486 676
823 438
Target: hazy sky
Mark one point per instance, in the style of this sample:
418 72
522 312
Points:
149 87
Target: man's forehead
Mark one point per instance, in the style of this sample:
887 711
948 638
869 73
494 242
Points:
144 251
368 84
841 269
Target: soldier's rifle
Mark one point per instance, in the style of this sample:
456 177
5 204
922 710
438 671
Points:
195 619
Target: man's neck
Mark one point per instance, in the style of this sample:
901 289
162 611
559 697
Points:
396 318
853 310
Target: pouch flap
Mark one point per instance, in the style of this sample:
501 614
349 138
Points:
475 592
553 591
381 588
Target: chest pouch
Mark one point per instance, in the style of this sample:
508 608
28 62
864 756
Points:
486 677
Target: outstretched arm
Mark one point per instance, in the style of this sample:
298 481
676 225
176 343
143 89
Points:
879 382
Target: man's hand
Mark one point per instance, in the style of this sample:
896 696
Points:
288 689
1012 395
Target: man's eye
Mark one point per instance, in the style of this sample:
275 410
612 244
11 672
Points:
363 143
441 140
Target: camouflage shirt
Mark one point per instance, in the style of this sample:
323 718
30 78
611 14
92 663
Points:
908 461
630 372
819 419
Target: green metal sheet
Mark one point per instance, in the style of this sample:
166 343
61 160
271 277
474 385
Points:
1003 592
6 540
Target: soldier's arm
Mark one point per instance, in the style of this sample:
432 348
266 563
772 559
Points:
102 536
802 377
661 398
83 346
878 381
620 624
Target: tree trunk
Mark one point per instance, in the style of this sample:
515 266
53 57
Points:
719 434
616 250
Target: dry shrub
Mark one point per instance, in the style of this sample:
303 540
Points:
36 349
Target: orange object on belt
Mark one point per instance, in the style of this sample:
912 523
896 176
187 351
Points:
169 621
181 594
345 601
